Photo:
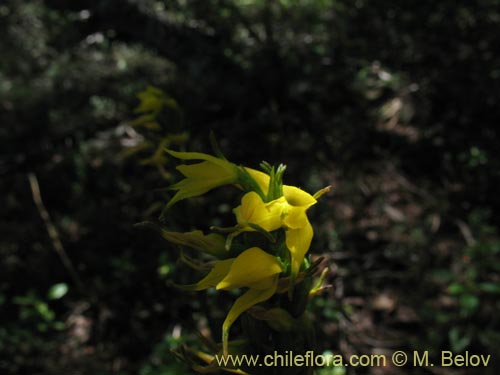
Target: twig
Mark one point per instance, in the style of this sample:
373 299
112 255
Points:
466 232
52 231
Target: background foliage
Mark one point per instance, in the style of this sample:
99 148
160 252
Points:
393 103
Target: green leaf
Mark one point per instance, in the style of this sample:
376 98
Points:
458 342
443 275
45 312
24 300
57 291
469 303
456 288
489 287
59 326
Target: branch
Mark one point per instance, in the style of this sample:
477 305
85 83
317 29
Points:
52 231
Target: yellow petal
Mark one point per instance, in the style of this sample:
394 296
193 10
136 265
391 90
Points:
214 277
200 156
297 197
293 195
250 267
211 243
201 177
298 242
261 178
295 218
205 170
253 210
243 303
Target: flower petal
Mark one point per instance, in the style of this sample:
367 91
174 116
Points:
198 156
295 218
214 277
261 178
298 197
204 170
201 177
298 242
253 210
243 303
250 267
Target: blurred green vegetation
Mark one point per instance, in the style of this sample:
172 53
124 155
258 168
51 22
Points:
393 103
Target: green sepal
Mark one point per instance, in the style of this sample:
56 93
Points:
212 243
249 184
278 319
300 297
262 231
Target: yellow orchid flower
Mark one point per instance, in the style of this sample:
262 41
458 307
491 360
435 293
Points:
257 270
296 197
299 232
293 195
291 211
261 178
254 211
254 269
251 267
201 177
256 293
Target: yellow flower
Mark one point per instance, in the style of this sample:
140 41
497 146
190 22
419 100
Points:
257 270
254 211
299 232
261 178
152 100
201 177
291 211
253 269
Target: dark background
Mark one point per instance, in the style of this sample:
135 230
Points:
394 103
